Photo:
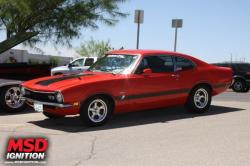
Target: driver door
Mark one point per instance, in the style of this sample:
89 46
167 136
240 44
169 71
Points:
157 87
77 65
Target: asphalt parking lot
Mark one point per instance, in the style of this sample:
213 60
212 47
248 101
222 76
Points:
165 137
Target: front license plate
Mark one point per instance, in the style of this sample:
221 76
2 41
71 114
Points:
38 107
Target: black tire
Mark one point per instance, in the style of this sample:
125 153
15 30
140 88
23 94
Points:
51 116
86 113
3 103
192 103
239 85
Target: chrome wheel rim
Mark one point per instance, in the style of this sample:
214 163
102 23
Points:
13 98
238 85
97 110
201 98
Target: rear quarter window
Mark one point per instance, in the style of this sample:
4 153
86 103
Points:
184 64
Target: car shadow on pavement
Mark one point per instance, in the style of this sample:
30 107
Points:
25 111
74 124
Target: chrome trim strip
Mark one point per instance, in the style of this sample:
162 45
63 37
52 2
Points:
40 91
47 103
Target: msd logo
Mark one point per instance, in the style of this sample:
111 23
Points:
26 150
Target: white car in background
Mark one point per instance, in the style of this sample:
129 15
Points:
77 65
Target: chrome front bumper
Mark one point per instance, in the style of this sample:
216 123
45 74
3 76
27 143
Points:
48 103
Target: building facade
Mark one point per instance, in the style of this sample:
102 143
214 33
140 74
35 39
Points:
23 56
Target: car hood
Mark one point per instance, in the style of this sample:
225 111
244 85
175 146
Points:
60 68
61 82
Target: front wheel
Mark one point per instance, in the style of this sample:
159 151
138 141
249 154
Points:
10 99
199 100
96 111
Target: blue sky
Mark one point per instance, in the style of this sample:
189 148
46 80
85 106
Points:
213 29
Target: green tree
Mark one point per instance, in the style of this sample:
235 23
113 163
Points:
94 48
59 21
54 61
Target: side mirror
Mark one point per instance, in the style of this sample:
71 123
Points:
147 71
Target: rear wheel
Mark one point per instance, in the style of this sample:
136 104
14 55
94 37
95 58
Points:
199 100
239 85
96 111
10 99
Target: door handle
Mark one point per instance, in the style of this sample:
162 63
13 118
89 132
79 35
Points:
146 75
175 75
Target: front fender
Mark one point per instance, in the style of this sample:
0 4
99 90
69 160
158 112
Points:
238 76
80 93
4 83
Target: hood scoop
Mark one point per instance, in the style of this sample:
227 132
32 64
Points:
61 78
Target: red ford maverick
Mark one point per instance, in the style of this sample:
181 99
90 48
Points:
128 80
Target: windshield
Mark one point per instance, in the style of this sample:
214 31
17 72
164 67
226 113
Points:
113 63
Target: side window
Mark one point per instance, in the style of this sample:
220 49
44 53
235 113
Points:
143 65
183 64
243 67
158 64
77 63
89 61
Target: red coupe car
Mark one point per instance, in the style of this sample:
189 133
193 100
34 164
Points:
129 80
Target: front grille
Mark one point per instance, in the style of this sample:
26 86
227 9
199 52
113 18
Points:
39 96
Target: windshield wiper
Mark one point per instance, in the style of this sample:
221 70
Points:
104 71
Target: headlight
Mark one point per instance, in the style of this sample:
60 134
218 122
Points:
59 97
22 91
51 97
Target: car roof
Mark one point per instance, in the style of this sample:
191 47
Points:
232 63
141 52
147 52
85 57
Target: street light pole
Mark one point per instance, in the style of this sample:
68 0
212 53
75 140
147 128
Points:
176 23
175 39
139 17
138 35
